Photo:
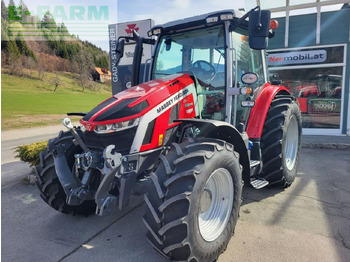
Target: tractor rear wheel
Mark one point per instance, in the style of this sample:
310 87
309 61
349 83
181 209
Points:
281 141
194 200
49 185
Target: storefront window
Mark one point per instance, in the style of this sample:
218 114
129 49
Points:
318 92
318 88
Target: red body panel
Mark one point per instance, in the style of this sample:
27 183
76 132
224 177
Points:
186 109
162 95
154 92
259 111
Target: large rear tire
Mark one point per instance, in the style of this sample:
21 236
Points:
194 200
281 141
50 187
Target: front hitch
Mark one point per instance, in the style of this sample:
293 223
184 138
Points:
64 174
106 202
75 190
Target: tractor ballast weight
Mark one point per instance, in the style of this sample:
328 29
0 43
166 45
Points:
206 121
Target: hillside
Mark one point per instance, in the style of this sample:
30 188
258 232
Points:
27 102
46 76
51 48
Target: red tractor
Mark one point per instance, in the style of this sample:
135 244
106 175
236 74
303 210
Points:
206 122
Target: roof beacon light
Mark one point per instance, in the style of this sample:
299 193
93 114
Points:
226 17
273 24
212 19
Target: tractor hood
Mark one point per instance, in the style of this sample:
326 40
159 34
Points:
135 102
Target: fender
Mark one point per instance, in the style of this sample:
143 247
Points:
259 111
227 132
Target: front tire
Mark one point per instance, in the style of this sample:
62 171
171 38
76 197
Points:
281 141
50 188
194 200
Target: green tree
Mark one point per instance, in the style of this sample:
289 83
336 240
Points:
23 48
63 29
13 50
12 3
62 49
49 22
102 62
73 49
4 35
26 17
14 12
4 11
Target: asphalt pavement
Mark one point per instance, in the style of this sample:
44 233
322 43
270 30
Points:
310 221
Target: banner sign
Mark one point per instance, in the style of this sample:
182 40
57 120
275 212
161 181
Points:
299 57
125 29
306 56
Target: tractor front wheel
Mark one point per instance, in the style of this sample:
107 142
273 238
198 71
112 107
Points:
281 141
194 200
51 190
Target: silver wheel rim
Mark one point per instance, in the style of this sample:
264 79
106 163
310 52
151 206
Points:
216 204
292 141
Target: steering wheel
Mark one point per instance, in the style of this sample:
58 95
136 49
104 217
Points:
206 70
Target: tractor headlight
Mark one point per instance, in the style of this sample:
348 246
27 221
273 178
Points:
110 128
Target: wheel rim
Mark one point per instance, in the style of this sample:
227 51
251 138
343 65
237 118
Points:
292 142
216 204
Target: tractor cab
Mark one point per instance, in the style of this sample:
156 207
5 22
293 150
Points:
215 55
215 50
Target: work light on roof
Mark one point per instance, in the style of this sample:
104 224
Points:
156 31
226 17
212 19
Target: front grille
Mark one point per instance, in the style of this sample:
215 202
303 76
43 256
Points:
121 139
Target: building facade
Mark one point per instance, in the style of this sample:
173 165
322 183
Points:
310 55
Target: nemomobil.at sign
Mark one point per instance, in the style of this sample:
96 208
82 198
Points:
300 57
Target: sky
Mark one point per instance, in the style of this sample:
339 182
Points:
96 30
89 19
162 11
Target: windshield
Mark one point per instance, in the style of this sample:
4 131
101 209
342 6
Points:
198 52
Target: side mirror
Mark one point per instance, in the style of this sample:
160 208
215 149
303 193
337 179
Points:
167 43
259 26
120 48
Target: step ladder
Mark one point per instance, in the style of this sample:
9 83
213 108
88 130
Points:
255 181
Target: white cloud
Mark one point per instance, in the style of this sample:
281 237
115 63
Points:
182 3
165 11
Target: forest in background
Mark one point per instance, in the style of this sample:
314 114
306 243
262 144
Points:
53 49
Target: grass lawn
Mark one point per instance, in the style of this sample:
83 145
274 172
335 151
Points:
29 102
